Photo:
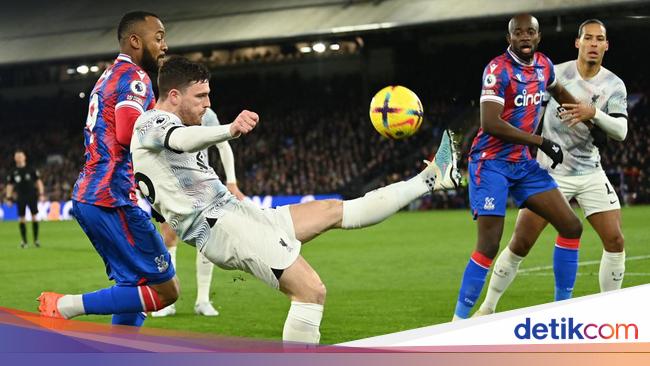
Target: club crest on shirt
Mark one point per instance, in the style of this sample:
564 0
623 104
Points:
540 75
161 263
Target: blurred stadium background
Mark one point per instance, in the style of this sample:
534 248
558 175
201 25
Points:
309 68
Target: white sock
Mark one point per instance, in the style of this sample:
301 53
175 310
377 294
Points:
203 278
612 271
70 306
377 205
172 253
504 272
303 323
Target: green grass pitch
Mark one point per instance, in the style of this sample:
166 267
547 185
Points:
401 274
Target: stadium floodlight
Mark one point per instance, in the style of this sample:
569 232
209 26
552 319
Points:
363 27
305 49
82 95
94 68
82 69
319 47
71 71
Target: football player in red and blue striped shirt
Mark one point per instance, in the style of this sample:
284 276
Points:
104 200
500 162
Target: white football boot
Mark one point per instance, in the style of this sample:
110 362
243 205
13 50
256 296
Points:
205 309
166 311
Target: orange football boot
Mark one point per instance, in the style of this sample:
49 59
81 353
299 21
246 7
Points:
47 306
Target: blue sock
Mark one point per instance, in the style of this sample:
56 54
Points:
113 300
472 284
134 319
565 267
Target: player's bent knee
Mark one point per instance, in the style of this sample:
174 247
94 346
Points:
572 229
313 292
168 292
615 244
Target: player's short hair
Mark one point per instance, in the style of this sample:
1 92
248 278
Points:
178 73
590 21
125 28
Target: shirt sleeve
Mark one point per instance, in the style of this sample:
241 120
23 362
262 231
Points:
495 80
154 132
551 71
210 119
617 103
134 91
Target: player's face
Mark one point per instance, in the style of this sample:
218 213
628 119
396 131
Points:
195 101
592 44
524 37
20 158
154 45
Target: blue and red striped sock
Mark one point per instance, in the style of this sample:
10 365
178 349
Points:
121 299
472 283
565 266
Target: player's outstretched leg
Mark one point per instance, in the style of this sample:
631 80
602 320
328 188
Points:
136 258
441 173
113 300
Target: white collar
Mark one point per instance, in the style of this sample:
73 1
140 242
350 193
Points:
125 57
519 60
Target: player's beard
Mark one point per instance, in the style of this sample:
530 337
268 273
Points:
149 62
189 118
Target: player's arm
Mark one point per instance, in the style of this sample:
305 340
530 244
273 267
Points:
40 187
493 124
9 192
125 118
614 123
197 138
134 96
574 111
228 162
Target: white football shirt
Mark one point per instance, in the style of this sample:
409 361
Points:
605 91
180 186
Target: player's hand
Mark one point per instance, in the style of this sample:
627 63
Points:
576 113
244 123
232 187
553 151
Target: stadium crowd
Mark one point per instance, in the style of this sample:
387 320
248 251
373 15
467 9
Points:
315 137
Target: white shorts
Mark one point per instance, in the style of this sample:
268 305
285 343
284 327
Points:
593 192
253 240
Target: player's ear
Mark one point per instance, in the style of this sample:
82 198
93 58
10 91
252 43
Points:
135 41
577 43
606 45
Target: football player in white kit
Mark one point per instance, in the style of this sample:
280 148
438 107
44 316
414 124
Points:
581 175
202 305
170 170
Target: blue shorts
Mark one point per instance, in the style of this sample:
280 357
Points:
128 242
492 180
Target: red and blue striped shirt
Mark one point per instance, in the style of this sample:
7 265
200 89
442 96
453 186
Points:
107 176
519 87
